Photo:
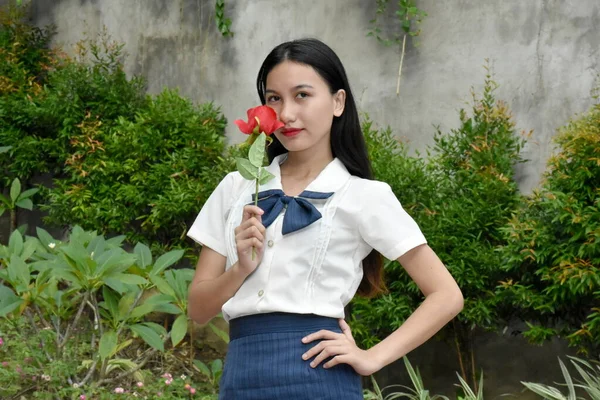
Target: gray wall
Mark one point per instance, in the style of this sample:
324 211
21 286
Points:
544 53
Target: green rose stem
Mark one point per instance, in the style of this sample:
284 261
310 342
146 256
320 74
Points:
251 167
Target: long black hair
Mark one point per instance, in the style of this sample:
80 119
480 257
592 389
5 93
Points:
347 140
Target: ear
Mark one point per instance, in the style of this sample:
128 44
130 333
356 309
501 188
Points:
339 101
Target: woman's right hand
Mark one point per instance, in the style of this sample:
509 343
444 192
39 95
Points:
250 234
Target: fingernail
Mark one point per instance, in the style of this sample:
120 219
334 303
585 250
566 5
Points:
304 356
304 340
312 365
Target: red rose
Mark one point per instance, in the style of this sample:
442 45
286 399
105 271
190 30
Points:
260 119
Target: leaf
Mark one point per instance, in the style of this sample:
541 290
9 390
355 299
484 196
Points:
4 149
9 301
44 237
25 203
219 332
246 169
265 176
216 366
202 368
143 254
179 330
108 344
256 155
130 279
22 229
28 193
166 260
159 329
116 241
15 189
125 304
122 345
163 303
162 285
149 336
168 309
112 302
29 248
116 285
18 271
15 243
142 310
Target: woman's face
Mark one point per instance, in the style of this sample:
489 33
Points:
304 103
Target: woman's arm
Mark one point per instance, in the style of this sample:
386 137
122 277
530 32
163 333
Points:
443 301
212 286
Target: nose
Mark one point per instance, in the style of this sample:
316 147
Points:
287 113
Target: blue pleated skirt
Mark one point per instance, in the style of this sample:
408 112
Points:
264 361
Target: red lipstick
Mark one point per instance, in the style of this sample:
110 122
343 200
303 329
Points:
289 132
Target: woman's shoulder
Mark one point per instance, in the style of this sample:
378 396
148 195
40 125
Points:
368 186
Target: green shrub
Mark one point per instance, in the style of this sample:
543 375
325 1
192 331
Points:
553 251
146 177
24 63
81 312
122 161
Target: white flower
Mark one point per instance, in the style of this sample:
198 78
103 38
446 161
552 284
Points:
75 386
46 377
183 377
52 245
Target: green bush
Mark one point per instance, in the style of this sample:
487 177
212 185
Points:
80 314
553 251
24 64
461 198
122 161
146 177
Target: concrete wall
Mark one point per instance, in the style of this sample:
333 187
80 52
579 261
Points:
544 53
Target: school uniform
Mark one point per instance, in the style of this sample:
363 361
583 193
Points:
310 270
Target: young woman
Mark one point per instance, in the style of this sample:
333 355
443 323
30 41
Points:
320 229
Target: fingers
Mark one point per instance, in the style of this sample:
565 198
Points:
246 245
328 351
321 347
322 334
346 330
252 211
250 229
340 359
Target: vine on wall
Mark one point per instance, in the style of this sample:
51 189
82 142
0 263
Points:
223 23
408 16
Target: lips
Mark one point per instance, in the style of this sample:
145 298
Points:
291 132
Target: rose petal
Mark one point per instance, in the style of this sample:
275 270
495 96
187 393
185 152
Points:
244 126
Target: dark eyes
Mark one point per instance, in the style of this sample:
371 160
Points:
275 98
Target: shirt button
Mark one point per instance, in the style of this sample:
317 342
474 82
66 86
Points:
270 243
261 292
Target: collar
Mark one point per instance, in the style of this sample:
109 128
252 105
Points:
330 179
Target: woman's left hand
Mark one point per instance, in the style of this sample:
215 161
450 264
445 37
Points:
342 348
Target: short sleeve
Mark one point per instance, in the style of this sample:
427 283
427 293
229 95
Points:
209 227
384 224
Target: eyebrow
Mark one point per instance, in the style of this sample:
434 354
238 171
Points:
302 86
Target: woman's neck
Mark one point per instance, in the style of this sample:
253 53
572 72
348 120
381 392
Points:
305 165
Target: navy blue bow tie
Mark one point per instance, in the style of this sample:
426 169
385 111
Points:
299 214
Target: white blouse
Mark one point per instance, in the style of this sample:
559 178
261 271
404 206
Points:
317 269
